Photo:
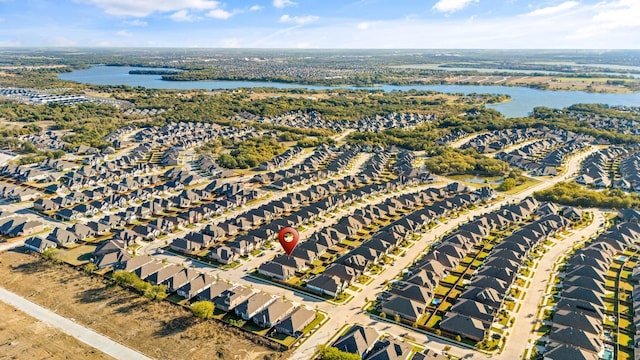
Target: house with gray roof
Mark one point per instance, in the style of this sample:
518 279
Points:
358 340
275 312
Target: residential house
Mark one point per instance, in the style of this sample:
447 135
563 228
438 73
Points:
294 324
273 313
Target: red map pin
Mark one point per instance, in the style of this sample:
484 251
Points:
288 238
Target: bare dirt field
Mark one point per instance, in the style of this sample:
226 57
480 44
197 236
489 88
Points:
159 330
23 337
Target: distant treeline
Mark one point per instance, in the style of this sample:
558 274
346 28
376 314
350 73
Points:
152 72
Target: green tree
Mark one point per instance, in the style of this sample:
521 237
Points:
52 254
507 184
90 267
331 353
203 309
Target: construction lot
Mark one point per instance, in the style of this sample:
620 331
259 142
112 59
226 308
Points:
157 329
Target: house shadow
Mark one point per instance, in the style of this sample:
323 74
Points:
176 326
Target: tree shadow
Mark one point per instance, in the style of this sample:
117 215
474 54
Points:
34 266
123 300
94 295
176 326
127 308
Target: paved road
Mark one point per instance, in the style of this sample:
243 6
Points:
351 312
523 325
71 328
339 315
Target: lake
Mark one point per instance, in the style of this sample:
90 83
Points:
522 103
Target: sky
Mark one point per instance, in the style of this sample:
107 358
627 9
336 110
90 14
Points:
386 24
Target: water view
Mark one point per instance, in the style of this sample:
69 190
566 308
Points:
523 99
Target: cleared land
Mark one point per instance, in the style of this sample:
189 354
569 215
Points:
159 330
23 337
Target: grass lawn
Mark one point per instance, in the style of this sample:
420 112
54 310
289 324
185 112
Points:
441 290
435 319
623 355
250 326
234 320
229 266
79 255
283 339
450 279
624 339
525 185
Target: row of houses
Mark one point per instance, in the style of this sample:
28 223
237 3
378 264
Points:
410 297
12 225
46 140
335 166
630 172
27 173
577 323
542 157
408 174
314 120
312 163
105 173
209 165
185 135
524 157
451 137
282 268
280 160
263 309
597 121
18 193
499 139
119 132
288 211
479 306
434 203
595 170
557 156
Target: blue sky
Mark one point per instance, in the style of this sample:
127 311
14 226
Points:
423 24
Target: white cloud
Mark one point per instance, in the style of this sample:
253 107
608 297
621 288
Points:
364 25
610 16
219 14
181 15
281 4
124 33
552 10
136 22
451 6
256 8
142 8
621 13
300 20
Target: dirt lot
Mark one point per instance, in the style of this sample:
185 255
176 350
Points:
23 337
159 330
